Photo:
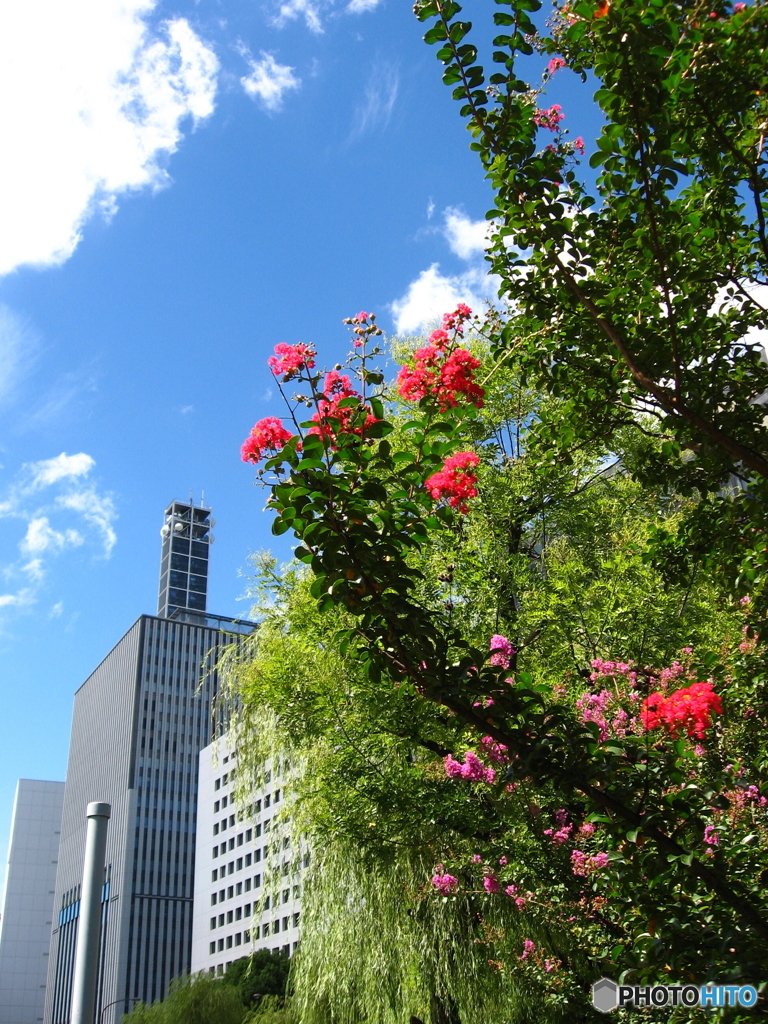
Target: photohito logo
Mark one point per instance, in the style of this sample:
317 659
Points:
607 995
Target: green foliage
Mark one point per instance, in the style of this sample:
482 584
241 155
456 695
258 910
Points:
192 1000
633 291
264 973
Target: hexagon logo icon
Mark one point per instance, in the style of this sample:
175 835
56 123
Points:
605 995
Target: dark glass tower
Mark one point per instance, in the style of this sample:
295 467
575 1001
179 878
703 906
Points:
139 721
187 539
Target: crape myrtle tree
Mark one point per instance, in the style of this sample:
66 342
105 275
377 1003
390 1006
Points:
598 725
636 294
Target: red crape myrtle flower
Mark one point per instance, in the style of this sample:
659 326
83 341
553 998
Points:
455 481
289 359
689 710
442 377
267 435
332 420
549 118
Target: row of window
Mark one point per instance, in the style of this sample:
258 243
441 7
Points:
250 810
237 890
268 928
238 913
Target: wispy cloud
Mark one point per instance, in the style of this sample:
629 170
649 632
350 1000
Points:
55 506
433 293
91 102
375 110
290 10
268 81
362 6
18 347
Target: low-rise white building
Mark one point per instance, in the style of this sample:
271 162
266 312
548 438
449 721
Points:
247 869
28 903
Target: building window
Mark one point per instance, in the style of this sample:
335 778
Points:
223 824
213 922
240 839
286 895
296 919
231 867
224 802
266 903
267 801
216 828
247 910
248 835
214 874
224 778
247 885
220 968
221 896
267 826
221 920
239 863
258 806
220 947
257 831
256 881
277 796
217 784
230 892
247 860
229 942
296 892
232 843
213 899
238 938
257 856
246 936
285 924
212 948
216 807
215 851
231 821
256 931
239 914
239 889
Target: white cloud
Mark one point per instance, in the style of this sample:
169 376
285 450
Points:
433 294
379 99
466 237
97 510
61 467
48 528
361 6
40 537
91 102
17 349
56 610
293 9
268 81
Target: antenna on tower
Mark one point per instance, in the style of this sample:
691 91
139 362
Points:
202 498
191 499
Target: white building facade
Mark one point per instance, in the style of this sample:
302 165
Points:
28 903
247 868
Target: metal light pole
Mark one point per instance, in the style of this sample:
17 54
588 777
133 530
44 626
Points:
87 953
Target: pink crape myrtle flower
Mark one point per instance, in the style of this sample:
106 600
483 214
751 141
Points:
491 883
711 838
289 359
528 948
472 769
502 651
554 65
549 118
444 882
268 435
456 481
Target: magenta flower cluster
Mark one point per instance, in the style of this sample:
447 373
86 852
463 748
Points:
472 769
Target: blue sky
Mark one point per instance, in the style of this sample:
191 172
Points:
183 186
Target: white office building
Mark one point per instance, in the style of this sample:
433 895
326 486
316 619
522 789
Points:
27 917
247 868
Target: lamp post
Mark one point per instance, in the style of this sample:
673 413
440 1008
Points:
130 999
87 953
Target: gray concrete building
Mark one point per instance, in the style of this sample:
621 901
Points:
27 915
139 722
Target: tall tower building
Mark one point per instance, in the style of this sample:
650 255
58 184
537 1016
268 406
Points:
25 930
139 722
